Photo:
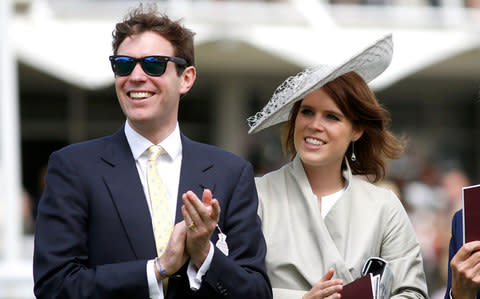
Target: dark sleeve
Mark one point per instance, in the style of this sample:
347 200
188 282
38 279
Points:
62 264
456 241
242 273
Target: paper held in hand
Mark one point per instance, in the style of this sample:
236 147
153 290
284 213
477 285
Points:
471 213
376 282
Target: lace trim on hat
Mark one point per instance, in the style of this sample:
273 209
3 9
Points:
282 95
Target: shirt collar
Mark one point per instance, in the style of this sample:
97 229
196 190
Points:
139 144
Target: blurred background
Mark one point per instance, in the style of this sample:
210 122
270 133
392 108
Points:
56 88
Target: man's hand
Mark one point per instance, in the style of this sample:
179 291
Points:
201 218
465 267
175 255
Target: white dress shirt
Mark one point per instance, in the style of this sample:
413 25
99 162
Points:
168 165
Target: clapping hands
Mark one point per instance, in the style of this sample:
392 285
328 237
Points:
201 218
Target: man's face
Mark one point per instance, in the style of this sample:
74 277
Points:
150 103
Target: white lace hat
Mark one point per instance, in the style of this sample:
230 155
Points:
369 63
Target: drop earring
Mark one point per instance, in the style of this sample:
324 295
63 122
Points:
353 157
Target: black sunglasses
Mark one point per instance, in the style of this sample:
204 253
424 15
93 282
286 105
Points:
152 65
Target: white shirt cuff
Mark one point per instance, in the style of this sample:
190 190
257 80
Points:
155 289
195 276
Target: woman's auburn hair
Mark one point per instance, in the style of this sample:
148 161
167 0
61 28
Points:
358 103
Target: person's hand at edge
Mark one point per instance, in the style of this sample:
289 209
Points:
465 267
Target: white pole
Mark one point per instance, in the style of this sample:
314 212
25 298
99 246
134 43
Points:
11 195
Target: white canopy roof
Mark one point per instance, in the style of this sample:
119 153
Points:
77 50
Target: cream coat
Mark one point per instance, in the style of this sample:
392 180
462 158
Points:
366 221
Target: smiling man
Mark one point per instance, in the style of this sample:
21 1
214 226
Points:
147 212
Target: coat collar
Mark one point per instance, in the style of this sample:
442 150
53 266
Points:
196 171
125 187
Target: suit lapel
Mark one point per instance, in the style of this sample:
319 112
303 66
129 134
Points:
121 178
128 196
194 176
194 172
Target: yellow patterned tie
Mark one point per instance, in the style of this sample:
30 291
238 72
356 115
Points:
161 212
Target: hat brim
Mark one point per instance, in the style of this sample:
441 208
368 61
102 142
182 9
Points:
369 64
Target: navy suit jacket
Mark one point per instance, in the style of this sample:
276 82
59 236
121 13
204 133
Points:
94 233
456 242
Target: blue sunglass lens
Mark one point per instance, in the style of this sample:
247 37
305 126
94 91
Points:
124 65
154 66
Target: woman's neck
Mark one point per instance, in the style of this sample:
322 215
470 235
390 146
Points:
324 180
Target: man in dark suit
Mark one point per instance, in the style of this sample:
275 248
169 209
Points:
95 230
464 264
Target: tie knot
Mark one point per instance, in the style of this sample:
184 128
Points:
153 152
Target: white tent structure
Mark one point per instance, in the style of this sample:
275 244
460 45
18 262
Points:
54 43
15 278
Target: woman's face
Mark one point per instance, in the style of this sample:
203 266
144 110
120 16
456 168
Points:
322 133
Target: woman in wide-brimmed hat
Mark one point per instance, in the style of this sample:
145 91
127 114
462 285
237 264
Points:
321 221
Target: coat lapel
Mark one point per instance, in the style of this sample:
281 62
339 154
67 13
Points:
328 252
194 176
194 172
122 180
